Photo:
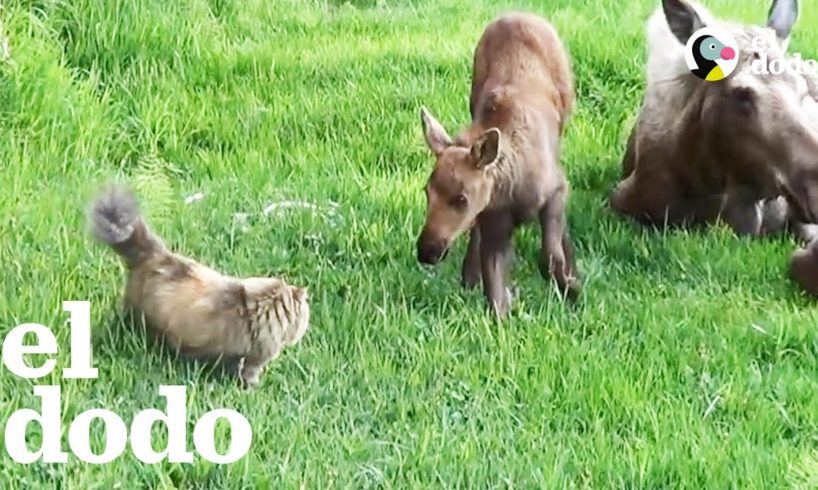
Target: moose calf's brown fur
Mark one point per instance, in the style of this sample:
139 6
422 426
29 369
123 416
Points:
199 311
504 169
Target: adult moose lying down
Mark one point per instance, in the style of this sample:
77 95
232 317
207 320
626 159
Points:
743 149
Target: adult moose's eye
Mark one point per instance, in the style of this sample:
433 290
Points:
459 201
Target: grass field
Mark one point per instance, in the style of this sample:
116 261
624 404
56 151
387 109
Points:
690 362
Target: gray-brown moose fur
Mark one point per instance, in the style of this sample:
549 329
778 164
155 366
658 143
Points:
744 149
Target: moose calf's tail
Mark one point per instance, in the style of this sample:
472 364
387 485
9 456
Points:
117 221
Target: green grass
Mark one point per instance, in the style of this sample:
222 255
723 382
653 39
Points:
690 362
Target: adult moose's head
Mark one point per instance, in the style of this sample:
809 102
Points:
760 124
723 132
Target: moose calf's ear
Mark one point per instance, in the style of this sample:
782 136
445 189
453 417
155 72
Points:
486 149
782 17
436 137
682 19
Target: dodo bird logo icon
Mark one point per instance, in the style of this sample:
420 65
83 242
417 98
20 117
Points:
711 54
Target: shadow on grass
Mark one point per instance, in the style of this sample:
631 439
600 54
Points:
610 250
126 334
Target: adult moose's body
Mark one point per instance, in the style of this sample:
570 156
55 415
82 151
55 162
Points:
743 149
504 169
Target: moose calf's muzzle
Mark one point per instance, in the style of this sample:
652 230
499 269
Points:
431 251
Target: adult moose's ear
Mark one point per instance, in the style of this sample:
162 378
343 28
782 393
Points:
486 149
436 137
682 19
782 17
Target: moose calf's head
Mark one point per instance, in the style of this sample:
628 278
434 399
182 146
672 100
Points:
459 188
759 124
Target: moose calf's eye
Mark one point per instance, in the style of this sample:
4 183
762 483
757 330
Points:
459 201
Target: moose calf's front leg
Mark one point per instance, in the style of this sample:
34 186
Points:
495 242
556 253
470 272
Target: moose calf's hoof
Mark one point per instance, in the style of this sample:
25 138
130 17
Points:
471 279
502 306
572 289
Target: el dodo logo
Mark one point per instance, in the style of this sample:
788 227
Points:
711 54
174 418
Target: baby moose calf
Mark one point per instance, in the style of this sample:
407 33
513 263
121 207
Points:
504 170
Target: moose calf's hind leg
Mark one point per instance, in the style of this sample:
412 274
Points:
470 273
575 283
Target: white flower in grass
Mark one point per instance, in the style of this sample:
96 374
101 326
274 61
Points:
5 52
194 197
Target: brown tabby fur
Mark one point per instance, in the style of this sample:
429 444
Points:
197 310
